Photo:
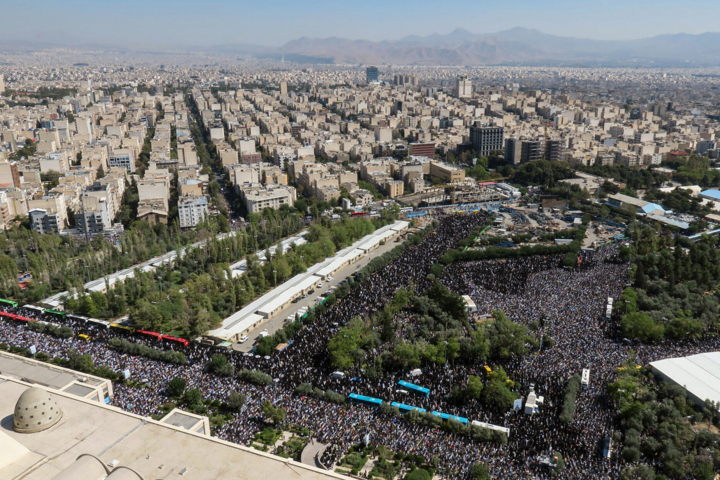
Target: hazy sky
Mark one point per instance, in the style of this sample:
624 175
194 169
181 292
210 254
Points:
273 22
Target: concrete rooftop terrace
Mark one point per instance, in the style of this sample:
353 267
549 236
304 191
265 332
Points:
153 449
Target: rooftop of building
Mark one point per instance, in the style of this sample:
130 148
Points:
151 448
714 194
699 374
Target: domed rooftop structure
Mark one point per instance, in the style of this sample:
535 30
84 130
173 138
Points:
35 411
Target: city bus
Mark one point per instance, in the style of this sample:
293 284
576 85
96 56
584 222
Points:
176 340
57 313
447 416
375 402
9 302
490 426
415 388
159 336
100 323
122 327
407 408
36 308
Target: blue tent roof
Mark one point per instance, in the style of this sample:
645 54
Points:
651 207
711 193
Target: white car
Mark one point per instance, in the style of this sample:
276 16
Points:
264 334
321 285
330 279
243 339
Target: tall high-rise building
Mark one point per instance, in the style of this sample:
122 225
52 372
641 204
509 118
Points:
486 138
512 150
400 79
283 88
372 74
531 151
2 83
463 87
555 149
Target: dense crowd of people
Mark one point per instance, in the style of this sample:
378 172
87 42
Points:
569 304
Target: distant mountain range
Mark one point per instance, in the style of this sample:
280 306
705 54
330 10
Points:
517 46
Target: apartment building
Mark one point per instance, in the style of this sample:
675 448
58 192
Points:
531 151
123 158
241 174
486 138
372 74
192 210
422 149
153 210
555 149
94 215
48 214
190 186
257 197
446 172
513 150
99 204
463 87
9 173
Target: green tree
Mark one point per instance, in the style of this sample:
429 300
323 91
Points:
193 397
418 474
505 337
479 471
176 386
83 363
304 389
276 414
146 316
344 343
474 388
236 401
219 366
496 393
640 325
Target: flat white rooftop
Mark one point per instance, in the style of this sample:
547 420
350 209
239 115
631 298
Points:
699 374
152 448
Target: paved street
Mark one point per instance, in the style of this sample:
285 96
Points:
312 452
274 323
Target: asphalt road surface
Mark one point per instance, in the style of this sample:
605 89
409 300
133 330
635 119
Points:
277 321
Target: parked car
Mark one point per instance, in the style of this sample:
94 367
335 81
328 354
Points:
243 339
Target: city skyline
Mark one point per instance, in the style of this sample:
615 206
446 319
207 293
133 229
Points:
188 24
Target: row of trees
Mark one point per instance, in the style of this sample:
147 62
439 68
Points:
571 390
570 251
63 263
197 290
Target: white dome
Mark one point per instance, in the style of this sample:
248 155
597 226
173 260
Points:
35 410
